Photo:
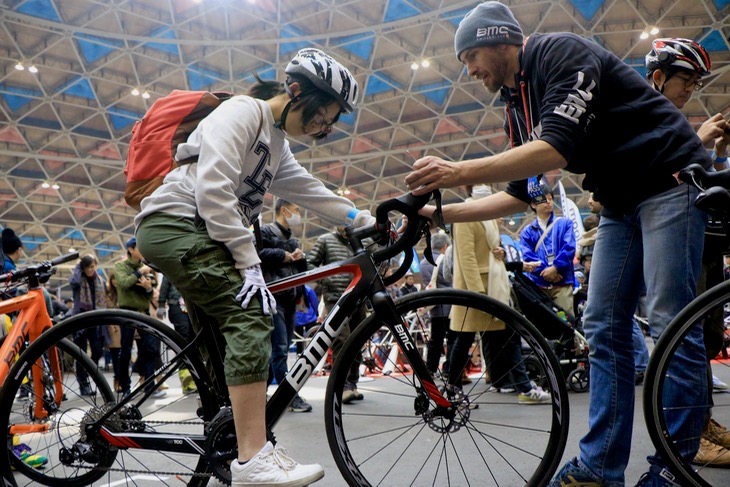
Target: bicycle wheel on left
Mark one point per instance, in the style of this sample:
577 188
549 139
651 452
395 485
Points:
85 438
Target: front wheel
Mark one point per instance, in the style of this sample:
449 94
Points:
397 434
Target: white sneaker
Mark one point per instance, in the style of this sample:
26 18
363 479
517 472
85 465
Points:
273 466
719 385
534 396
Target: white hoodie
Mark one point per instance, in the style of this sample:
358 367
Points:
235 169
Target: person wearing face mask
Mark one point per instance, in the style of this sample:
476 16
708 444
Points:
282 257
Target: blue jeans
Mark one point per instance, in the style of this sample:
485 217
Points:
641 352
281 339
663 241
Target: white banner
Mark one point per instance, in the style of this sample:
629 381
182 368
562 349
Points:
570 210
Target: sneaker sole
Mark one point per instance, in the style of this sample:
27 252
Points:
292 483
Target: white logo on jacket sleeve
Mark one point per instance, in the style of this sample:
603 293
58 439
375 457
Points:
576 103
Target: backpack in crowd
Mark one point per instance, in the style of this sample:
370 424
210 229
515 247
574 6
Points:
168 123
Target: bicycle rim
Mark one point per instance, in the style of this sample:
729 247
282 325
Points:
667 373
397 436
76 456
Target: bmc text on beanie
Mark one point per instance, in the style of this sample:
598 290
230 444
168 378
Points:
487 24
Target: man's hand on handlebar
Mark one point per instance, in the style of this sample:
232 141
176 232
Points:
431 173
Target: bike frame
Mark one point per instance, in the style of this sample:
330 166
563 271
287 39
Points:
365 282
32 320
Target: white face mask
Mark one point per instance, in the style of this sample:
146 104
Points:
294 220
480 191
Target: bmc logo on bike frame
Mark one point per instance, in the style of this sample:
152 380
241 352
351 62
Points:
305 364
15 349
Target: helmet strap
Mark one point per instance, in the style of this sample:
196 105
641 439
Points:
281 124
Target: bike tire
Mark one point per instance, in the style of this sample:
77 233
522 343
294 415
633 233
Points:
659 375
112 463
392 437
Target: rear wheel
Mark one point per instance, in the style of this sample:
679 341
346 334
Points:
82 437
398 435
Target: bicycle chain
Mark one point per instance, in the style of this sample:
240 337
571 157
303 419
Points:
152 472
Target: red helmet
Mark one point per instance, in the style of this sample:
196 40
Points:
678 53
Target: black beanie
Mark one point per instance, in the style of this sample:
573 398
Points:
11 242
487 24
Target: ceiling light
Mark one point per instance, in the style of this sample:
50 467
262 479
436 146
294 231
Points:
145 95
414 66
511 222
72 249
55 186
644 35
425 63
33 69
654 31
45 185
19 66
135 91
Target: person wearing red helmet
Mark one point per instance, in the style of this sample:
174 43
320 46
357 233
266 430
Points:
675 67
195 228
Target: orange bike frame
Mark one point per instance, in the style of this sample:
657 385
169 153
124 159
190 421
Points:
32 320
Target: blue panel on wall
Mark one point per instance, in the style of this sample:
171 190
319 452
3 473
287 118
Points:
198 80
360 45
17 98
457 15
79 87
38 122
436 92
164 33
714 41
72 233
288 32
265 73
399 9
587 8
39 8
93 47
347 118
98 133
378 83
122 118
15 102
721 4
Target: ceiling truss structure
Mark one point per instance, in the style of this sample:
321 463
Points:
69 123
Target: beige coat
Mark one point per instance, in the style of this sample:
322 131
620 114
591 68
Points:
476 269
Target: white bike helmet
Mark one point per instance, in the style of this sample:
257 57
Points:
678 53
326 74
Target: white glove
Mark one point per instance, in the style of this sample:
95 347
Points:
160 313
363 218
254 282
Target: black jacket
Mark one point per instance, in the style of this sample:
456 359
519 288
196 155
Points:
277 240
603 117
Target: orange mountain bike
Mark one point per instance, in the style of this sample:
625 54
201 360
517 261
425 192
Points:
32 319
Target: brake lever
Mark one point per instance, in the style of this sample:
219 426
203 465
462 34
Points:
438 216
428 251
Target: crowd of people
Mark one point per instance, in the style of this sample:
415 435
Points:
562 93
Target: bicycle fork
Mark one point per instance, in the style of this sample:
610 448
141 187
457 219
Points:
384 307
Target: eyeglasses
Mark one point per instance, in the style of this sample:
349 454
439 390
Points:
320 124
691 81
